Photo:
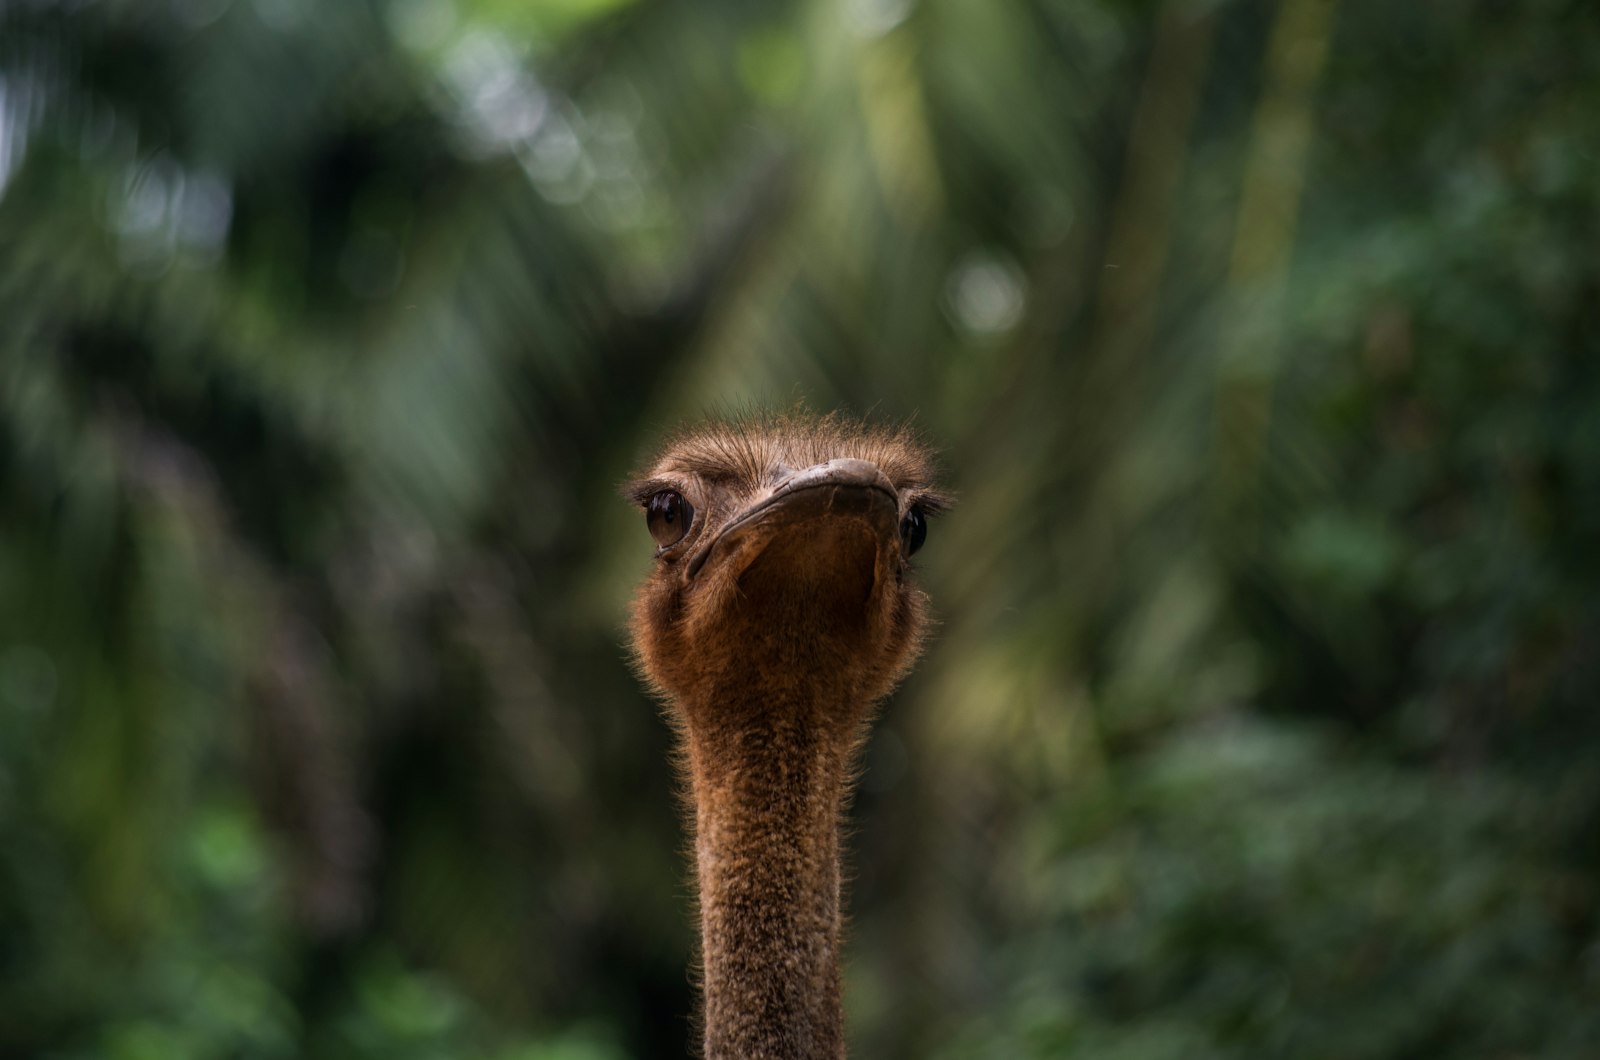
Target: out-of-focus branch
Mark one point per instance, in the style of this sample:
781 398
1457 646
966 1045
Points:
1263 242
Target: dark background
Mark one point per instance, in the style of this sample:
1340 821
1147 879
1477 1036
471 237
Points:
1260 340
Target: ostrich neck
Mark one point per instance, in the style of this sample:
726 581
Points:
769 780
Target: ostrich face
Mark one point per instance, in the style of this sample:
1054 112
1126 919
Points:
781 562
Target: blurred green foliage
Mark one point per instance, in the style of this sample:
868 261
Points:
1260 340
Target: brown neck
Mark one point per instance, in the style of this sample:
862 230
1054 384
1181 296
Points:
769 781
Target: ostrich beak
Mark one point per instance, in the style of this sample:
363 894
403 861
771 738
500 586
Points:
827 525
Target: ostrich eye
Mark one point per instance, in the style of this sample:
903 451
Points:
913 530
668 516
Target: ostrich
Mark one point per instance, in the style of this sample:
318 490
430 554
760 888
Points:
779 611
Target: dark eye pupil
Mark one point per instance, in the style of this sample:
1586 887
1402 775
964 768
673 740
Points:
668 516
913 530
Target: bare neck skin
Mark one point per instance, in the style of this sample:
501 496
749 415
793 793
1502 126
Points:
779 611
767 860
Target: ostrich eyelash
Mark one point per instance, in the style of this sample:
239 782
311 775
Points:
639 491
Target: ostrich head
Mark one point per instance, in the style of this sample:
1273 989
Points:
782 548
